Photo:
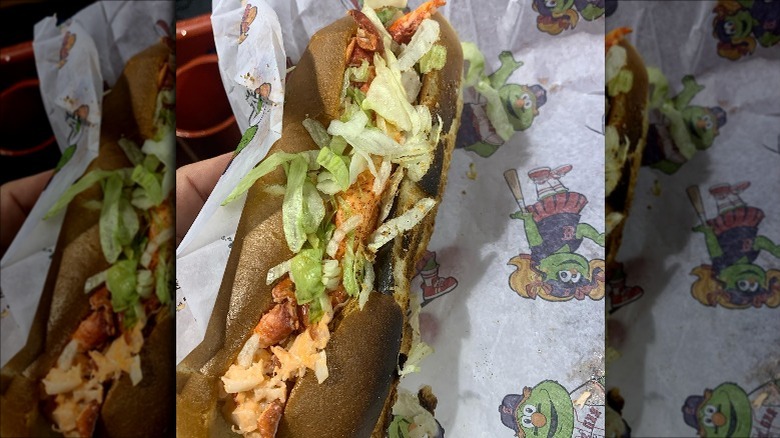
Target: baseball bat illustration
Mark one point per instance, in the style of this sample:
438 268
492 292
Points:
514 185
695 196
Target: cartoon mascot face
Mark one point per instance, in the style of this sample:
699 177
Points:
545 411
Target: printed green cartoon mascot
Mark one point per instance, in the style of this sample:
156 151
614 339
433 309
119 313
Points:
720 412
739 25
553 270
729 411
545 410
734 280
496 109
549 410
678 129
555 16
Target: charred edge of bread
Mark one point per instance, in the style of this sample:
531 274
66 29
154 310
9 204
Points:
243 294
628 113
78 254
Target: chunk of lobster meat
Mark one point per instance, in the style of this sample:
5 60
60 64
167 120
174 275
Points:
96 329
269 419
360 199
404 28
284 290
100 299
368 37
277 324
358 55
85 424
338 296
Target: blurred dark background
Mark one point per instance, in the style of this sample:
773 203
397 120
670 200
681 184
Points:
191 8
27 146
200 134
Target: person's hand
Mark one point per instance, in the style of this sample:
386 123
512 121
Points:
194 183
16 200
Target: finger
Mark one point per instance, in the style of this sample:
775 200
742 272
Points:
17 198
194 183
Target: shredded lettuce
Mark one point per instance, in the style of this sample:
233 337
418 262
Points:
352 267
399 427
359 74
422 41
132 151
164 117
621 83
412 84
356 95
331 274
379 4
82 184
163 274
326 183
407 407
121 282
317 132
337 165
144 283
278 271
387 40
368 140
164 149
387 96
419 349
95 281
152 189
265 167
387 15
338 145
368 282
396 226
415 154
435 59
110 219
306 273
616 59
293 206
313 208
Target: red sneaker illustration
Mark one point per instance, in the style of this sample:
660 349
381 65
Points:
433 286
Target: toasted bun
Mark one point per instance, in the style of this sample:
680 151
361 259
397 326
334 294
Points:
78 256
628 115
364 345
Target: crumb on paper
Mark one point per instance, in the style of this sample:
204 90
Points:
544 80
759 401
472 172
4 313
180 306
554 88
580 402
463 192
656 190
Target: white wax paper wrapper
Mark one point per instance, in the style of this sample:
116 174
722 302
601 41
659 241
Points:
674 343
252 66
73 61
491 337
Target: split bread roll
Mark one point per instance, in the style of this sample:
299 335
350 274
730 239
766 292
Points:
130 113
365 345
627 97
